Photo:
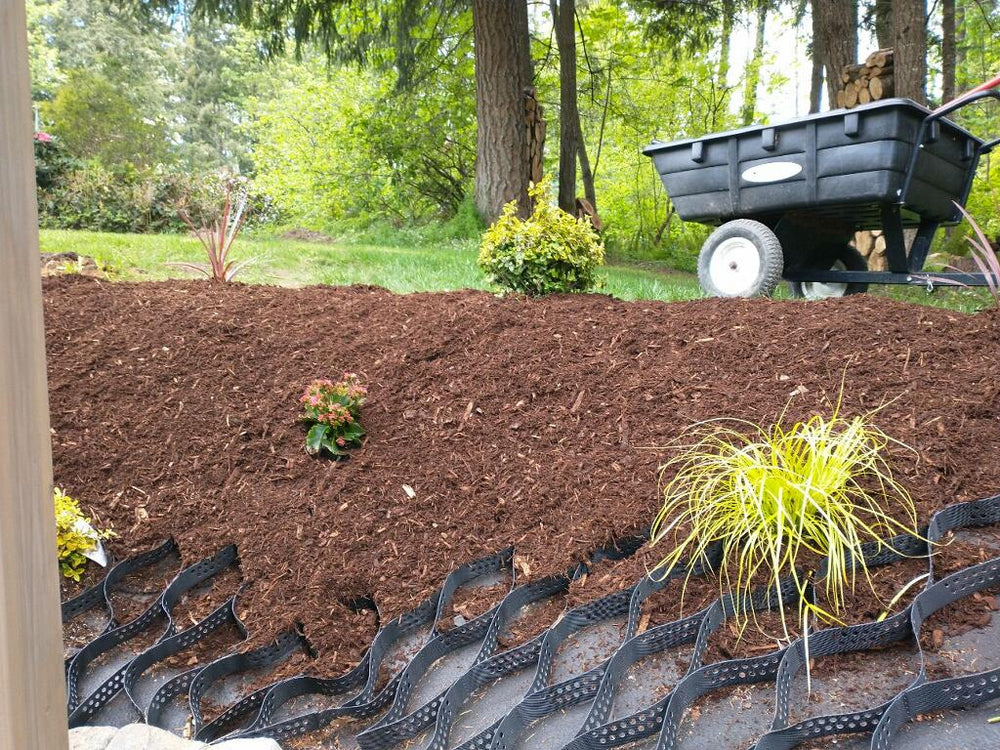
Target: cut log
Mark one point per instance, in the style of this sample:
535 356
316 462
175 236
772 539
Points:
879 58
867 82
881 88
850 72
877 260
864 242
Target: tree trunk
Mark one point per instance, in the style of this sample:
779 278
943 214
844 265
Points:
948 53
587 175
961 77
816 81
909 27
503 78
753 69
728 14
883 23
564 18
838 32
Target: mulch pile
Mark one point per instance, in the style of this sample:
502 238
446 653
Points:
538 423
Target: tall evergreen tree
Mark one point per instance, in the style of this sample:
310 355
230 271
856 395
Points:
948 50
836 28
570 137
503 79
370 31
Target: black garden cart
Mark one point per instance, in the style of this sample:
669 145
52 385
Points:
788 198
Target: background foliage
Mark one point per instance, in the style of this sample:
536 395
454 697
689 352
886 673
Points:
149 108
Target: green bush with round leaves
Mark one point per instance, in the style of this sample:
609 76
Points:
550 251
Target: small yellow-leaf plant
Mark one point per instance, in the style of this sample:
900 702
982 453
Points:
75 535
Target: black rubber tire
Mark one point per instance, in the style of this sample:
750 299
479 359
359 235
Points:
769 256
852 260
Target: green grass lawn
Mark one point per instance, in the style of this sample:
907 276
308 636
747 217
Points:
421 268
135 257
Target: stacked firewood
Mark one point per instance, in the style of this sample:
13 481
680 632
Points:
868 82
871 245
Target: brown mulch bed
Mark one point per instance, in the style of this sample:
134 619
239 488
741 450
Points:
539 423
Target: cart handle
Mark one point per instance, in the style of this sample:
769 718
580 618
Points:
986 90
980 92
981 87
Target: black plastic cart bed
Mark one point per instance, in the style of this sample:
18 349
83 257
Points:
788 198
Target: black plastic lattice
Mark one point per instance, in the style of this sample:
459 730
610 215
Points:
391 720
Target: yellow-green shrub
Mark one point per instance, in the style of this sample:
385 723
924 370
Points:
548 252
71 539
776 496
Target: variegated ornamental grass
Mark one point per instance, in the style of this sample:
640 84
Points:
777 496
218 240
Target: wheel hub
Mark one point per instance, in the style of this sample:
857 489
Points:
735 266
826 290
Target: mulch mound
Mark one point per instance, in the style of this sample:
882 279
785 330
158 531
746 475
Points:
538 423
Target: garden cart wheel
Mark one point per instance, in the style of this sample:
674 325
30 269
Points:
848 259
742 258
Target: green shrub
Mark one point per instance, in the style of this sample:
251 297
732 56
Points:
88 195
75 535
550 251
52 161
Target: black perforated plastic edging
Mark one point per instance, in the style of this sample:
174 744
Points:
495 668
100 593
257 714
265 657
369 703
396 724
159 613
663 717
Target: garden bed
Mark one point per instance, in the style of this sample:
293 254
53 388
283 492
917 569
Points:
538 423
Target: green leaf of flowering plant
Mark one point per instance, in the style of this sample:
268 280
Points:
329 444
315 437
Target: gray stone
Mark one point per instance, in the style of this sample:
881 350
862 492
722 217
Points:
258 743
91 738
144 737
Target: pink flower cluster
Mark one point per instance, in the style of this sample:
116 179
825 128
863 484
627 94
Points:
42 137
332 411
334 403
335 416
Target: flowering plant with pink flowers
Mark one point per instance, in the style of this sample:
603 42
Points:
332 411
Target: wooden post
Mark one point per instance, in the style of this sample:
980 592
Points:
32 687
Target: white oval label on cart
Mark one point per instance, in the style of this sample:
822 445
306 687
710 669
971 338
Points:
773 171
